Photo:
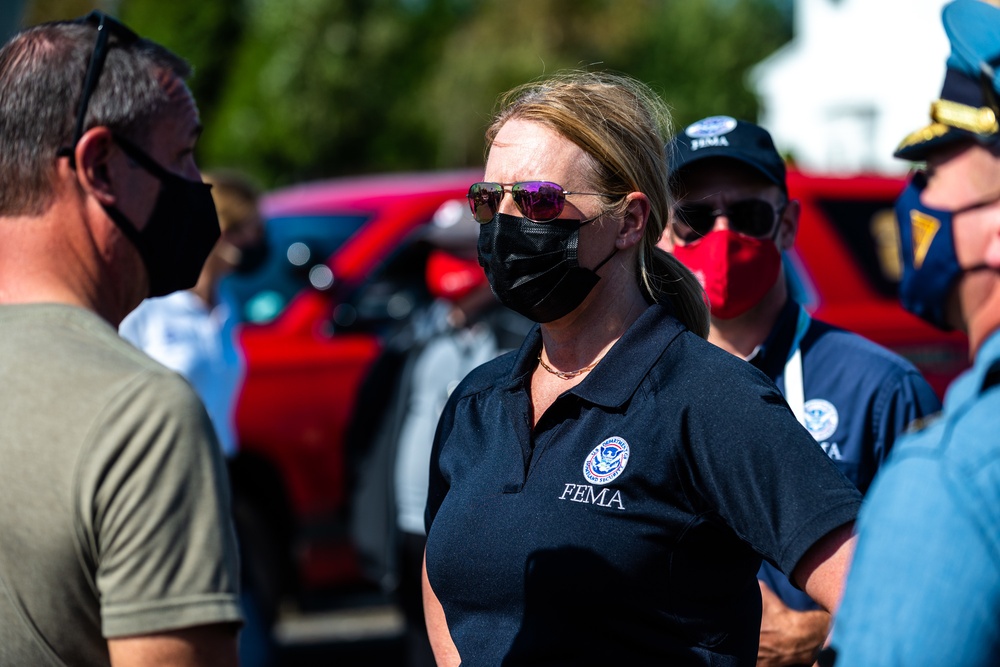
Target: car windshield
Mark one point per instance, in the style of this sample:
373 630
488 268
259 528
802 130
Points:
298 248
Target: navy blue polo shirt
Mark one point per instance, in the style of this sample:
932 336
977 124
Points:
628 526
859 397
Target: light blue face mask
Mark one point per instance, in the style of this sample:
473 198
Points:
927 245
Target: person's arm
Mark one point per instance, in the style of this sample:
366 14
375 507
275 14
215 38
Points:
789 637
822 570
445 651
161 532
201 646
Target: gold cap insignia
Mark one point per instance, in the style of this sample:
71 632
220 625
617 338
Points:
978 120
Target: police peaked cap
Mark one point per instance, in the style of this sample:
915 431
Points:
968 105
726 137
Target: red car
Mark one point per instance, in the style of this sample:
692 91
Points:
345 271
847 256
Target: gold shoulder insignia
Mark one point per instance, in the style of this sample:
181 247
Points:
920 423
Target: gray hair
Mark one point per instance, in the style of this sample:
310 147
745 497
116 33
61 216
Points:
42 71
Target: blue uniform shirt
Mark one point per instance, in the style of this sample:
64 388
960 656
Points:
924 586
859 397
628 525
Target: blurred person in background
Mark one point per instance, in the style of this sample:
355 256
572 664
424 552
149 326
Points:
116 540
731 223
461 328
594 496
924 587
192 332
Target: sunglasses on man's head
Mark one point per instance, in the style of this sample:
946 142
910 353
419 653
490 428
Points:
106 26
753 217
538 201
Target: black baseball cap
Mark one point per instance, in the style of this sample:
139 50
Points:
726 137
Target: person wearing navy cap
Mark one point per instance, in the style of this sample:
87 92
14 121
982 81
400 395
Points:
924 586
732 221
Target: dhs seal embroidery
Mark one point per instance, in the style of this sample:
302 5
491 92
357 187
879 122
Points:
821 418
607 461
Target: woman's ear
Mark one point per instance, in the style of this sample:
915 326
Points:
94 154
634 221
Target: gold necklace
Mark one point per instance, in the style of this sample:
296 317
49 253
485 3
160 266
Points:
569 375
565 375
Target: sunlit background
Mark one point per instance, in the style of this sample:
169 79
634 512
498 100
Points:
292 90
295 90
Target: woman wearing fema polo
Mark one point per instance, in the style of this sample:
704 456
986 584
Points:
596 497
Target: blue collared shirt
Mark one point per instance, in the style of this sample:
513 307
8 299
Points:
859 398
924 587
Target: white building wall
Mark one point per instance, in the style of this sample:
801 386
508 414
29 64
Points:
858 76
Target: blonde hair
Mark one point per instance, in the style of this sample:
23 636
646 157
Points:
622 125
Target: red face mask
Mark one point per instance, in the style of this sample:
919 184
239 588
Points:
736 270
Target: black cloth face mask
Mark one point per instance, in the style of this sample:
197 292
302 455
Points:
181 230
532 266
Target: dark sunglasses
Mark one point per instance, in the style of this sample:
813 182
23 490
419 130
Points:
753 217
538 201
106 26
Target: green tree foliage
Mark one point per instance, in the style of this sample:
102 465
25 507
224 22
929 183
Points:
324 87
206 33
292 90
694 52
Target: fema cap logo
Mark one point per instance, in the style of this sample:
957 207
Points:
821 418
711 127
607 461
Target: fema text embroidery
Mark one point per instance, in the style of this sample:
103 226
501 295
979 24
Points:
708 142
584 493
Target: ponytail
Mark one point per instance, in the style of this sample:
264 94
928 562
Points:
668 281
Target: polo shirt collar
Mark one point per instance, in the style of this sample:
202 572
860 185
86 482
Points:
772 355
615 379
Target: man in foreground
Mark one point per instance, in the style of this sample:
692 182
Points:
924 588
116 544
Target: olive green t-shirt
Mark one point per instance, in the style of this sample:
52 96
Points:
114 502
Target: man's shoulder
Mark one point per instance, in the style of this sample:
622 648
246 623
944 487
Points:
74 351
961 439
829 343
975 422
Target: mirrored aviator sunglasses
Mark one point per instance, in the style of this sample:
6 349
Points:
752 217
538 201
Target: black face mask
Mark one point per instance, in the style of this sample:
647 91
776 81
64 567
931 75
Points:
181 230
532 266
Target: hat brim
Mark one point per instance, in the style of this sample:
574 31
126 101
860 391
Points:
728 154
918 145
